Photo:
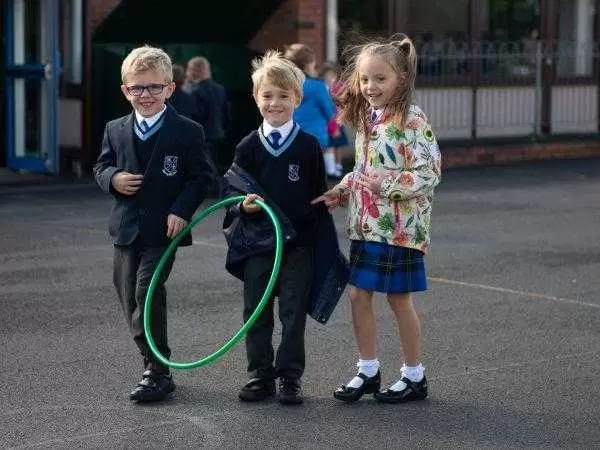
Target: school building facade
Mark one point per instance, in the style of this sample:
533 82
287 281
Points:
501 80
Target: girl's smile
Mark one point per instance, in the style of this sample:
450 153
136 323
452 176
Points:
378 80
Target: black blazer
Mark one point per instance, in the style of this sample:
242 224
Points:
176 179
184 104
213 107
251 234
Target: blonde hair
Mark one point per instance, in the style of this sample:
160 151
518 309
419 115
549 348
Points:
399 52
145 59
281 72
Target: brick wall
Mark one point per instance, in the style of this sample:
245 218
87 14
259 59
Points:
97 11
294 21
513 153
312 12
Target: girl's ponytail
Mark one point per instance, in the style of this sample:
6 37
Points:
405 63
405 45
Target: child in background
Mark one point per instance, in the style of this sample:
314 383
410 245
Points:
390 194
316 109
337 134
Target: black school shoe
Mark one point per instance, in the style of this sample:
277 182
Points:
154 386
290 391
257 389
370 386
414 390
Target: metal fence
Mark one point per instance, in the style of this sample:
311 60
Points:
504 89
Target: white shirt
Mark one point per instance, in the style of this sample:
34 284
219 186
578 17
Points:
284 129
152 119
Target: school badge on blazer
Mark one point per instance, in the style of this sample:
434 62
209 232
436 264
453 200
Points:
294 172
170 165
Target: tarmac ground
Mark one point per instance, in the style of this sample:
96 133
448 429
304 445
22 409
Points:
511 329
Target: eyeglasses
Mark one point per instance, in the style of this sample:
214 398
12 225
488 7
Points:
138 90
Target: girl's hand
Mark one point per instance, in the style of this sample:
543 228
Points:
248 205
331 198
370 180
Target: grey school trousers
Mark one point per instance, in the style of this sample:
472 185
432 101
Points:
133 267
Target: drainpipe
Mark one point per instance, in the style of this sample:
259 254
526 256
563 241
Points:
331 31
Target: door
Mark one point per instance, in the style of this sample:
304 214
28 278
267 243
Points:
31 82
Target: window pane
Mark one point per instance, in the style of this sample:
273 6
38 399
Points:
440 31
27 44
509 36
28 98
361 18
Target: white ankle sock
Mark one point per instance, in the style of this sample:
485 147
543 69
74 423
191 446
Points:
413 373
329 159
368 367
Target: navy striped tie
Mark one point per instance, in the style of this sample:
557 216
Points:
275 136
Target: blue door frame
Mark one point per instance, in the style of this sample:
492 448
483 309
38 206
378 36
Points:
44 72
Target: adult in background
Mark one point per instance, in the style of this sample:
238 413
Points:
213 107
317 107
183 102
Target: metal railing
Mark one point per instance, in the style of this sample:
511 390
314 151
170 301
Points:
516 89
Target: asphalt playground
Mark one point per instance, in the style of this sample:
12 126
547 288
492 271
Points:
511 329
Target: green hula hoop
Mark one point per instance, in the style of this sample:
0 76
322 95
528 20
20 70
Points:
262 303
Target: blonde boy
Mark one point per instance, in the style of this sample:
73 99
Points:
153 163
284 165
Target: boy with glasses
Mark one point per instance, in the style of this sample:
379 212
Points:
154 164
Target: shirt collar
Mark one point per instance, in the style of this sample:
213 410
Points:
284 129
152 119
378 113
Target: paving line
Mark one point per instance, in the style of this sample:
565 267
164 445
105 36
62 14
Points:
209 244
513 291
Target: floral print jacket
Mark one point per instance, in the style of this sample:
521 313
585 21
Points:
410 161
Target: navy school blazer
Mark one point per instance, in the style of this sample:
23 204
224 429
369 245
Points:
176 180
247 236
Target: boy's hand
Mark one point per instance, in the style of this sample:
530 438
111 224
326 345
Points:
127 183
331 198
248 205
174 225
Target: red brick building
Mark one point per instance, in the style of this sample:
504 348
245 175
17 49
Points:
491 73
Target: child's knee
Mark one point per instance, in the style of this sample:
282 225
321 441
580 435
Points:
360 296
400 301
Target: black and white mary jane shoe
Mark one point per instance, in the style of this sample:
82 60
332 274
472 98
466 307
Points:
349 394
414 390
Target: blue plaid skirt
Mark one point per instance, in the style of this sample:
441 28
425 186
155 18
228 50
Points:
380 267
339 141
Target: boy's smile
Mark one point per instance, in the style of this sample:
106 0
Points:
154 91
276 105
